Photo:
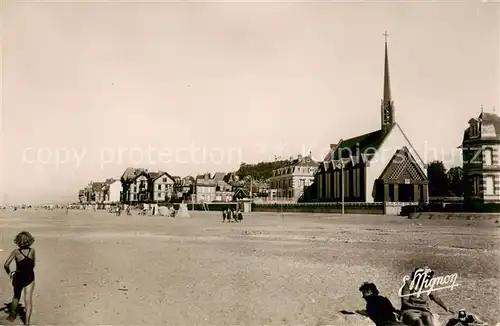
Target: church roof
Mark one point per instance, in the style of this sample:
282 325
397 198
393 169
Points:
364 145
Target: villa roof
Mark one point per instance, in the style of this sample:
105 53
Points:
486 119
219 176
131 174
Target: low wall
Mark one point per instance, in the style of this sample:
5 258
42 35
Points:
395 208
349 208
218 207
455 216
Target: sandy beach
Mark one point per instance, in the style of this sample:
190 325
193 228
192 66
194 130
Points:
98 268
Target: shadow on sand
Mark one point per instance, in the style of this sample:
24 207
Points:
21 313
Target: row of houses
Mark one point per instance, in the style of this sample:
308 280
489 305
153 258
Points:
138 185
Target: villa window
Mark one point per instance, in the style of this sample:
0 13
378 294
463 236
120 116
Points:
490 185
164 179
476 189
488 156
474 131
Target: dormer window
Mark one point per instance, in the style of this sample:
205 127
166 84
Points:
474 130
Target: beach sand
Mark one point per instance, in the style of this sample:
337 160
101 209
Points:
98 268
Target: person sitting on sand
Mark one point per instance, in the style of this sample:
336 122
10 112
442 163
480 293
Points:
415 310
378 308
24 276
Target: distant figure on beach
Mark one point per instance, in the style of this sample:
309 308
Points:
118 210
128 210
415 310
224 215
24 275
239 215
378 308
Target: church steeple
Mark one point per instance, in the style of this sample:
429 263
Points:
387 108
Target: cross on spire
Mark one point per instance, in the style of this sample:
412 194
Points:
385 35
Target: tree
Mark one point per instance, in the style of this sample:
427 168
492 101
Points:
261 170
455 180
438 181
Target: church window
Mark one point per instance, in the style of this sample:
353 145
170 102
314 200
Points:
320 186
346 183
336 184
327 185
354 183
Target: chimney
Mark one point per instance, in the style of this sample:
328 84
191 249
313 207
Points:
300 157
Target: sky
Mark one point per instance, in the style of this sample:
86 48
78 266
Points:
89 89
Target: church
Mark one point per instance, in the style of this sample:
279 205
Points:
380 166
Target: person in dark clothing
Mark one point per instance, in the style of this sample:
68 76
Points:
23 278
378 308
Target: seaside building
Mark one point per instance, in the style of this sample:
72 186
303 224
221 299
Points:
380 166
183 187
113 190
162 186
212 189
141 185
135 185
288 183
481 164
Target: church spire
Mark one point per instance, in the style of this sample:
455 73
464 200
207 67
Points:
387 105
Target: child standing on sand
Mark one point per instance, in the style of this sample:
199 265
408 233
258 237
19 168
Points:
24 275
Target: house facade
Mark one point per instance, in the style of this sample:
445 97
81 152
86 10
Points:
380 166
223 192
288 183
135 185
98 192
481 164
113 190
205 189
82 196
184 187
162 186
212 189
141 185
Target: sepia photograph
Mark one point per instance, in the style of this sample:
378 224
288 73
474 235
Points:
260 162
